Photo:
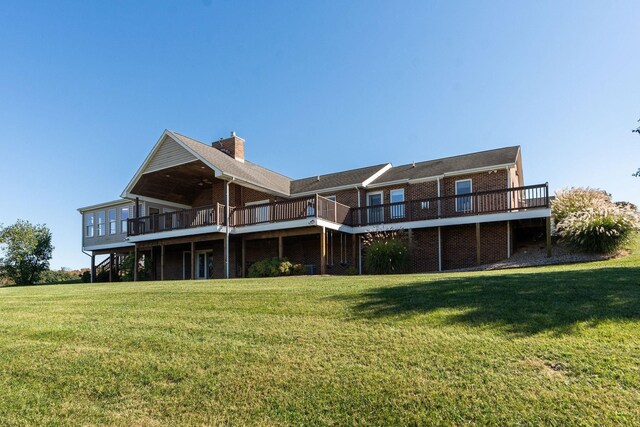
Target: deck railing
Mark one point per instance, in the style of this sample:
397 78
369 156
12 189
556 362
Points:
284 210
478 203
177 220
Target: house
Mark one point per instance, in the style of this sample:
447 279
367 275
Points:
197 210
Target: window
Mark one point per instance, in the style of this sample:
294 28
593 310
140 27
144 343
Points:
397 200
332 198
463 204
88 225
112 221
101 224
375 214
124 217
424 204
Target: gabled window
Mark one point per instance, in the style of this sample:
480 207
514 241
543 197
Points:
397 199
88 225
124 216
112 221
464 203
101 224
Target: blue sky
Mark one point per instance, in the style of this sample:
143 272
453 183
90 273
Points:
86 89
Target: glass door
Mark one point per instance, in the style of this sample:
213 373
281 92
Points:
374 208
204 265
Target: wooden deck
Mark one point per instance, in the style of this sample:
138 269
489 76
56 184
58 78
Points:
478 203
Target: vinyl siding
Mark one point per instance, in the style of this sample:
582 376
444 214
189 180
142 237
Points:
169 154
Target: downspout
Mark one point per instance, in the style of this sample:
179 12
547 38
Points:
438 181
359 239
509 189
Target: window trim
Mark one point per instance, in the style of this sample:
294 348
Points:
470 201
89 228
102 226
113 223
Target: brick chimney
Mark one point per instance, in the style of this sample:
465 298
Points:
232 146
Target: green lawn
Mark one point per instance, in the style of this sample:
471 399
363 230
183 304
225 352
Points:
553 346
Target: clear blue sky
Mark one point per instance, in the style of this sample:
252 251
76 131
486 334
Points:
87 87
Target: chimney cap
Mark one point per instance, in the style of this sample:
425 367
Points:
233 133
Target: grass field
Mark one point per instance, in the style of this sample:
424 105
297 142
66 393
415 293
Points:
545 346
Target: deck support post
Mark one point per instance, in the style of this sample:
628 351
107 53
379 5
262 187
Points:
360 255
111 267
226 228
323 252
478 254
508 239
93 268
193 260
280 248
353 249
244 257
548 227
135 263
162 261
439 248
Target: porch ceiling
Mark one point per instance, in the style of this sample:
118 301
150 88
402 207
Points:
179 184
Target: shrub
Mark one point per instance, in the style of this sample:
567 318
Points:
58 276
298 270
273 267
351 271
144 269
589 221
386 253
568 201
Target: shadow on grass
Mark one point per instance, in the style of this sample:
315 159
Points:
519 303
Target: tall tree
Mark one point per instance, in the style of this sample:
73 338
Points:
26 250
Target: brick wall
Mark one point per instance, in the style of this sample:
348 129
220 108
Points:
493 241
458 246
303 250
483 181
424 250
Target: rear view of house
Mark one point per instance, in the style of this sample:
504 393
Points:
197 211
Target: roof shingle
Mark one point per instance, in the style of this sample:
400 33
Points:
438 167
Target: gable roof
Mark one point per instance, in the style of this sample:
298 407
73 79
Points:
451 165
244 171
174 149
189 149
349 178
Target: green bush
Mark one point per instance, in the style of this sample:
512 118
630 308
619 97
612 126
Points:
589 221
58 276
273 267
386 253
144 269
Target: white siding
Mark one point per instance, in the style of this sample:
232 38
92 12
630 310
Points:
169 154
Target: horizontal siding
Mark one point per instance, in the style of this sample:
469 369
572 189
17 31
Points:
169 154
